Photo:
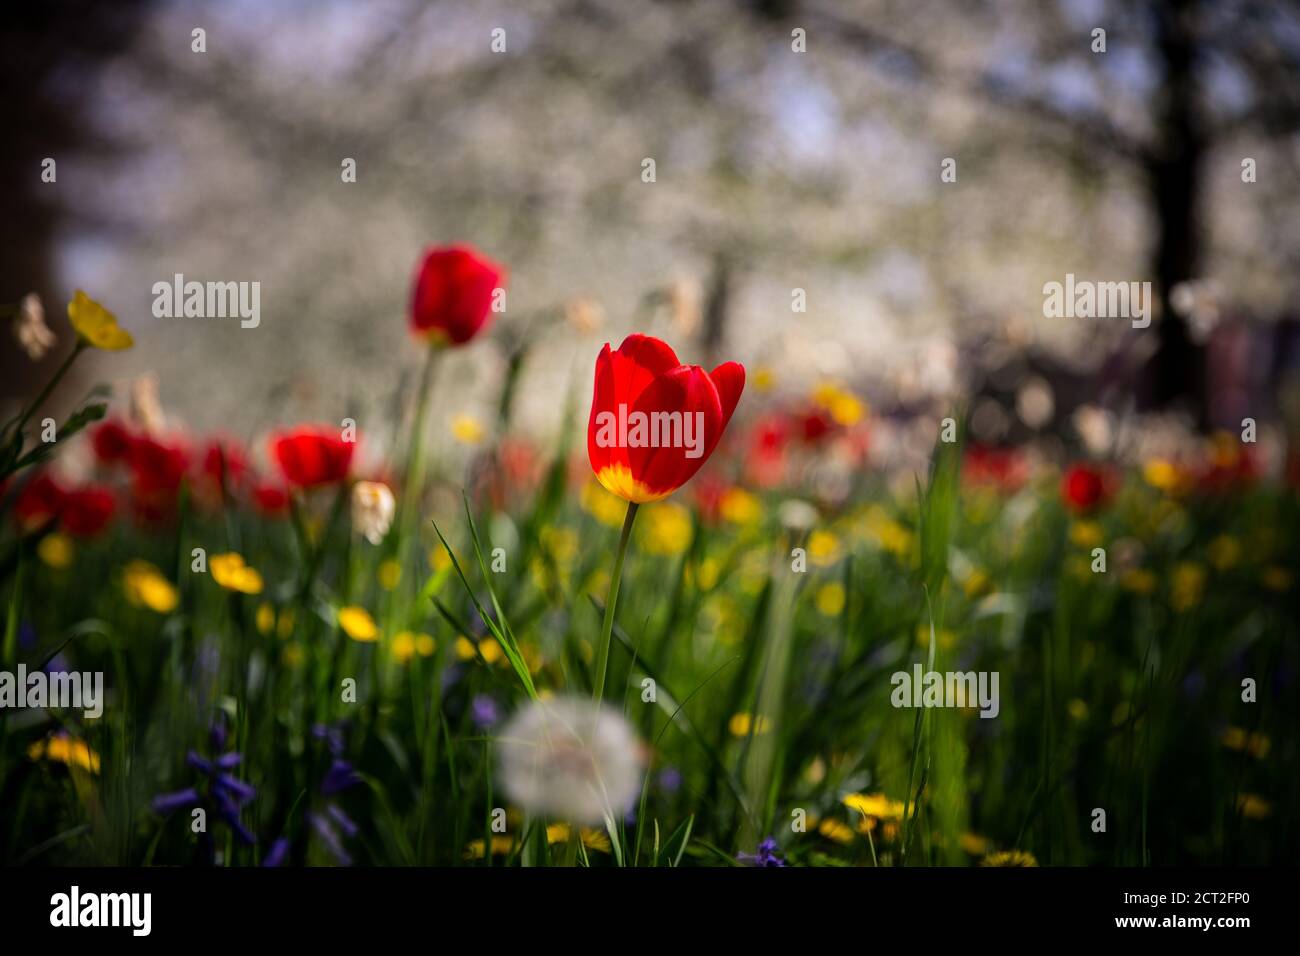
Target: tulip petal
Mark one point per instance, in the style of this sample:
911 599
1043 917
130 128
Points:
685 390
729 378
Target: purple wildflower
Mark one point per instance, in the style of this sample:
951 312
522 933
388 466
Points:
224 794
484 712
766 855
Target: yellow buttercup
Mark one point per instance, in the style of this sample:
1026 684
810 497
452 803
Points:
96 326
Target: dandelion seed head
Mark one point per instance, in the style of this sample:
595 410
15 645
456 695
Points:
570 758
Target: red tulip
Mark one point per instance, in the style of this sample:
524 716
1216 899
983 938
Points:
87 511
637 448
451 301
309 456
40 500
1004 469
1085 487
157 467
224 460
271 499
111 441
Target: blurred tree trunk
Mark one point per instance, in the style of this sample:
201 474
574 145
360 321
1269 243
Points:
1176 373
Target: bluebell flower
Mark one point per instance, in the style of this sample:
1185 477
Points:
223 795
766 855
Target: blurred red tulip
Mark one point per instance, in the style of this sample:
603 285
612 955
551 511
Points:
157 467
39 501
224 461
87 511
111 441
271 499
1002 468
765 463
1086 487
309 456
643 382
451 301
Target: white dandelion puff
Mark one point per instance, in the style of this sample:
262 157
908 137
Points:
570 758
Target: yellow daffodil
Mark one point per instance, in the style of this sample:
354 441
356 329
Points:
96 326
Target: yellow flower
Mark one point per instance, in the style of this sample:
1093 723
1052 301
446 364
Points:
1077 709
96 326
1276 579
465 648
830 599
1164 475
230 571
501 846
666 529
842 405
265 618
56 550
358 624
145 586
823 548
973 843
836 831
467 429
284 626
1187 585
1138 580
606 508
738 506
740 725
1254 807
65 750
388 574
592 839
425 645
1225 552
403 646
1086 534
439 559
1009 858
1256 744
875 805
943 637
976 584
490 650
764 378
560 543
887 533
